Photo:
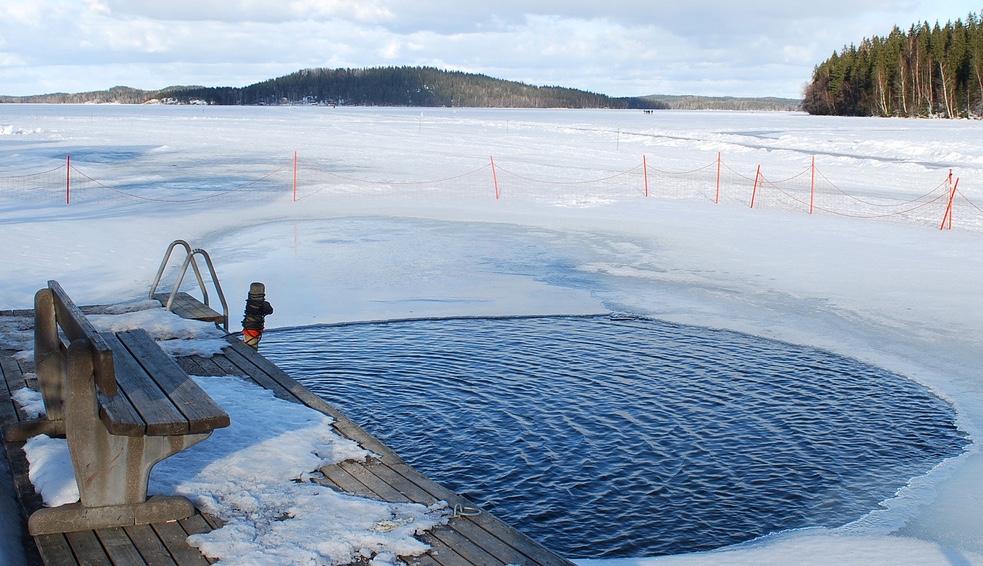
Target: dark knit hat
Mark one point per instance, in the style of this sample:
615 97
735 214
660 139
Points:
257 289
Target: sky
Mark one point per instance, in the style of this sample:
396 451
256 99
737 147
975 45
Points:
618 47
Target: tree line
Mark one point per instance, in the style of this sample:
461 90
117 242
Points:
752 104
383 86
404 86
927 71
115 95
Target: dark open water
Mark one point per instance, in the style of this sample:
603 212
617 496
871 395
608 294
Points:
606 437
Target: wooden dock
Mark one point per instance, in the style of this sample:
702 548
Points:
467 539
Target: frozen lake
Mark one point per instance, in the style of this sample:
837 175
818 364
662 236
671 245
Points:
396 217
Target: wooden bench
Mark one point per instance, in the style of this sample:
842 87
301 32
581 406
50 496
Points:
124 405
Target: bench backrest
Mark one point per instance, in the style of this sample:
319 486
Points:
76 326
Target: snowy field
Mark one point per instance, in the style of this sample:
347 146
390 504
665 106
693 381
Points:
427 237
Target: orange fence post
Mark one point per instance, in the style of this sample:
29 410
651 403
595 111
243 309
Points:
812 189
68 180
716 199
295 176
754 192
645 171
494 176
947 217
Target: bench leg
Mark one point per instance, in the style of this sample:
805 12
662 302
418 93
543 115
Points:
112 471
49 360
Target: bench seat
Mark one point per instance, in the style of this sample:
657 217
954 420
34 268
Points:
124 405
156 397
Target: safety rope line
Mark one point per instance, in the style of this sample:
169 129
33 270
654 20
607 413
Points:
885 215
387 183
738 173
312 193
868 203
48 172
173 201
971 203
821 190
793 177
680 173
764 182
587 182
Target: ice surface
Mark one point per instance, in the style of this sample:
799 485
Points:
906 297
815 548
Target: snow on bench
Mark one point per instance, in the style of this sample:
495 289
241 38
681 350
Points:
123 405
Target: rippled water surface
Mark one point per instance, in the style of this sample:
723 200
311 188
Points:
605 437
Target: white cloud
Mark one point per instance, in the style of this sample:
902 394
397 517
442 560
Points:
10 60
98 7
391 50
21 13
367 11
233 11
623 47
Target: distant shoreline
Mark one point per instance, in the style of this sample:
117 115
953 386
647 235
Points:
412 87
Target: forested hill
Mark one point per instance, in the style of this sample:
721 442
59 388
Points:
389 86
406 86
930 71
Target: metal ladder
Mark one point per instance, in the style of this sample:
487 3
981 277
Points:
190 260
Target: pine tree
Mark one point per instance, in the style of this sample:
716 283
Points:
926 71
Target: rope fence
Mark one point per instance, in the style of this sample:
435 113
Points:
808 191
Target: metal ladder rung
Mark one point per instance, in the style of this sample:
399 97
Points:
190 261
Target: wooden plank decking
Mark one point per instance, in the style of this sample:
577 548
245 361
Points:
163 543
480 539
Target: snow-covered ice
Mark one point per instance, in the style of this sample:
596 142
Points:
903 296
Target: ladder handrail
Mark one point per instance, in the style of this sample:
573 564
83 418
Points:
190 260
218 287
163 264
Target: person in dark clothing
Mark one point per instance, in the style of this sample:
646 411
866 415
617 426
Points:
254 321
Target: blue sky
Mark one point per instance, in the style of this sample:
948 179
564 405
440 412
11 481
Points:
618 47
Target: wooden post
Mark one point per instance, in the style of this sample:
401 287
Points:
716 199
494 176
754 192
295 176
68 180
645 172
